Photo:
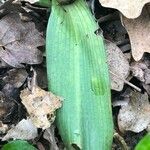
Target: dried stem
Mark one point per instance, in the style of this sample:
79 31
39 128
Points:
121 140
127 82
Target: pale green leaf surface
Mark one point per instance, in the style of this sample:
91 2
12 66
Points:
78 72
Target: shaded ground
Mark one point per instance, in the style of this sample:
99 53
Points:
16 73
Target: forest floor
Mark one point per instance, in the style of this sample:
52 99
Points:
23 66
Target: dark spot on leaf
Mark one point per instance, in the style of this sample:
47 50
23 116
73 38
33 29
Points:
75 146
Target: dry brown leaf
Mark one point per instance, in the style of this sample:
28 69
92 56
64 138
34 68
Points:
7 105
147 88
16 77
40 105
137 69
42 77
3 128
139 33
19 41
49 135
9 6
118 64
135 116
141 72
24 130
129 8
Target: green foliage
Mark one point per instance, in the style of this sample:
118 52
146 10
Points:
18 145
78 72
144 144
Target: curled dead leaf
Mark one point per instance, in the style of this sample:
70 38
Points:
40 105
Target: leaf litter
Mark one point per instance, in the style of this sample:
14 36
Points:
19 49
50 136
40 104
19 41
131 109
118 64
24 130
16 77
131 9
135 115
138 29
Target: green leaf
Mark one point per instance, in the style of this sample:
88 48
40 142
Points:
18 145
78 72
144 144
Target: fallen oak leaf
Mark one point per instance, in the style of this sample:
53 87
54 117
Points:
19 41
118 67
139 33
130 9
118 64
135 115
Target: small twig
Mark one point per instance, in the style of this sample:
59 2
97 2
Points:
10 42
109 17
125 48
121 140
49 135
35 7
123 42
127 82
34 80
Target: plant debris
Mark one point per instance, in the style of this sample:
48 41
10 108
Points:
135 116
131 9
16 77
3 128
139 29
25 106
7 105
50 136
40 104
24 130
19 41
118 64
